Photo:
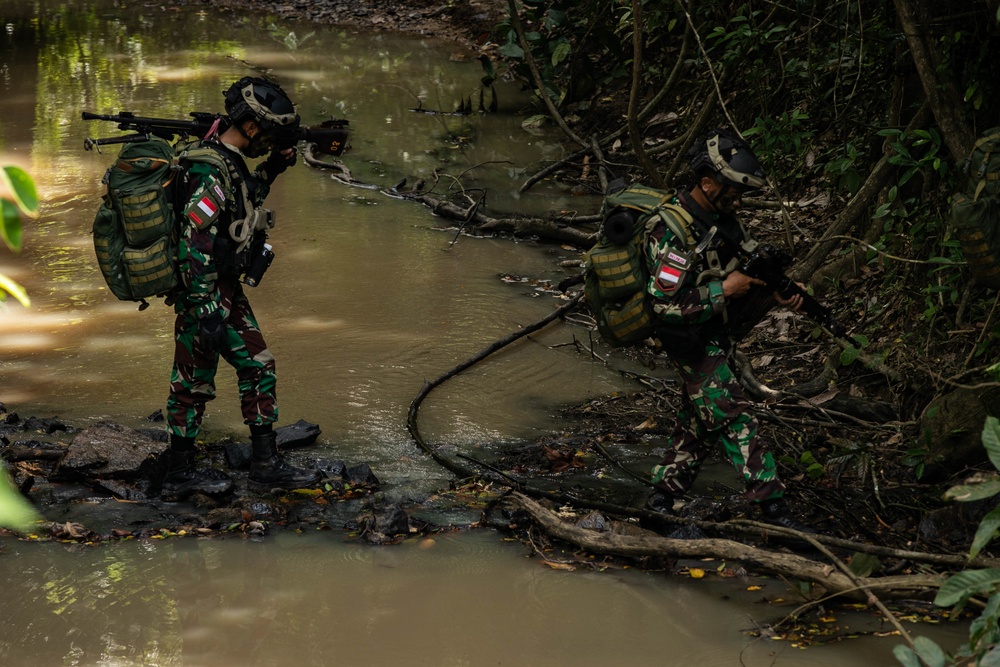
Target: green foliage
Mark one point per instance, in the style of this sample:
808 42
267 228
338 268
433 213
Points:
18 197
984 632
780 142
16 513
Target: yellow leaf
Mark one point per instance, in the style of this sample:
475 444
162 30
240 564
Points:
754 588
696 573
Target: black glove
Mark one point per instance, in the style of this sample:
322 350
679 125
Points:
212 332
276 164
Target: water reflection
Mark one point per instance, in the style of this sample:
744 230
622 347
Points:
456 599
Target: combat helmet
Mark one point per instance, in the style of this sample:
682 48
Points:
726 156
265 102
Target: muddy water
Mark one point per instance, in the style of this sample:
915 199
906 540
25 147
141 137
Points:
366 300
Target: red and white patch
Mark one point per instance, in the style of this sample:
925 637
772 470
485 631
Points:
668 277
208 207
218 191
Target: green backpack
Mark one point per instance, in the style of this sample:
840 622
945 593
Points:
975 210
615 272
136 230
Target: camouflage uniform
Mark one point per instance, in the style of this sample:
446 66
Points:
690 313
211 286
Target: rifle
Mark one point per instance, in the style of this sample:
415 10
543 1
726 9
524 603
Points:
330 136
768 263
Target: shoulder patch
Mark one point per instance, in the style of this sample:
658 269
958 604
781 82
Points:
671 270
205 204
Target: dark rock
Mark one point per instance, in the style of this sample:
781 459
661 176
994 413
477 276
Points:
12 418
156 416
951 430
392 521
158 434
334 469
361 475
238 455
111 451
299 434
123 490
44 425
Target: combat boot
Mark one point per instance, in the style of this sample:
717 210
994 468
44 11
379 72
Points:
661 503
269 470
776 512
183 479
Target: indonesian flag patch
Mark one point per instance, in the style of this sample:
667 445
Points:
669 276
204 207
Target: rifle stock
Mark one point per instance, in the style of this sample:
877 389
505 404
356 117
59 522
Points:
330 136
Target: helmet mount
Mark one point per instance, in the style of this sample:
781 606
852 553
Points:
726 156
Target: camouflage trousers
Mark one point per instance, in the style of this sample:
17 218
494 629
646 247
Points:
192 381
713 409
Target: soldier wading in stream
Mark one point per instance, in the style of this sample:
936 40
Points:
694 296
222 229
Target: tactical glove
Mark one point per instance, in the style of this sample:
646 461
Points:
276 164
212 332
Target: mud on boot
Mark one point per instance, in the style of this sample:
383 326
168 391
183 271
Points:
184 480
269 470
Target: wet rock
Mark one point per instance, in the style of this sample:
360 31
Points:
332 469
381 522
44 425
299 434
111 451
124 490
157 416
158 434
361 475
238 455
261 510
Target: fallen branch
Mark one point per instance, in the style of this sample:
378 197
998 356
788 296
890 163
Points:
791 565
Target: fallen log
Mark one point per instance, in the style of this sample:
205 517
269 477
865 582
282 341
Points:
824 576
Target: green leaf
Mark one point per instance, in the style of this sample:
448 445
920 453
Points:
849 356
16 513
991 440
967 493
906 656
512 50
959 587
929 652
10 226
864 564
991 659
561 52
22 188
988 530
15 290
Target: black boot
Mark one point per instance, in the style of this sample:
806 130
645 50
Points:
268 470
661 503
776 512
183 480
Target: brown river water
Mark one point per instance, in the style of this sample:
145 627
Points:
366 300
